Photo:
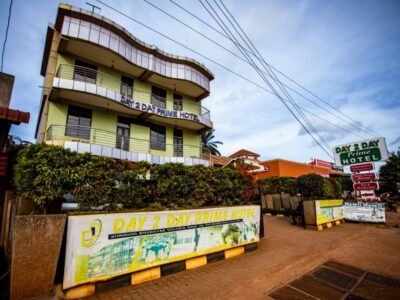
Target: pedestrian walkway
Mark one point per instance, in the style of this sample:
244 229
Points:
286 253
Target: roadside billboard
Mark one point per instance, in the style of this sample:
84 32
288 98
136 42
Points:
328 210
102 246
371 150
364 212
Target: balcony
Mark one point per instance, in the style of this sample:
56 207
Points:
106 143
72 80
86 34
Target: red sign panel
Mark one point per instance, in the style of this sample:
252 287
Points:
366 186
363 177
361 167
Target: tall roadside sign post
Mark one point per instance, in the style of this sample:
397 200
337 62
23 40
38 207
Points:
360 157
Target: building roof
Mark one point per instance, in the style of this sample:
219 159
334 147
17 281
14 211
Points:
219 160
14 116
243 152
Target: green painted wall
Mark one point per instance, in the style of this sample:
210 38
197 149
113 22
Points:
140 138
57 114
66 59
104 126
191 140
142 91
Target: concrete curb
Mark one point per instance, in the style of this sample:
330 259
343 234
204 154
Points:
87 290
329 225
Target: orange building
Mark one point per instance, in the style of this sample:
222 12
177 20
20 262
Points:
248 162
283 167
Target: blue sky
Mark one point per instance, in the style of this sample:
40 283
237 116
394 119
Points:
346 52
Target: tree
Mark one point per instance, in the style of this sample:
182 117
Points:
389 174
208 142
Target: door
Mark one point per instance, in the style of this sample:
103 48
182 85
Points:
123 135
178 142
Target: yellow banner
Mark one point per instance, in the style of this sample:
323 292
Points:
329 210
103 246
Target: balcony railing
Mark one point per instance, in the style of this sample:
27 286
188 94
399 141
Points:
88 31
110 139
129 94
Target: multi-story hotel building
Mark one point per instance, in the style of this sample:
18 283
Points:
110 94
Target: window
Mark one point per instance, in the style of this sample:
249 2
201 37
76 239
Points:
126 87
78 122
85 72
123 127
178 142
157 137
158 97
178 102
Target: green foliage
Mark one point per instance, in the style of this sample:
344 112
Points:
389 174
46 173
277 185
311 186
208 142
133 189
345 182
95 182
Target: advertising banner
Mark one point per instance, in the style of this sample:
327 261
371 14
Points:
364 212
328 210
371 150
102 246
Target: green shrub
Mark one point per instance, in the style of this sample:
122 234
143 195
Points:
311 186
95 182
44 174
277 185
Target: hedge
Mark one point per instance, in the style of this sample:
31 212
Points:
310 186
46 174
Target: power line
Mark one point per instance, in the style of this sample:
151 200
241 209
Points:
198 53
227 31
6 35
242 59
360 125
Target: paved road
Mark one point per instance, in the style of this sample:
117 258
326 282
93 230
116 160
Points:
286 253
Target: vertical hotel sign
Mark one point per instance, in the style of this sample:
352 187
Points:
365 151
102 246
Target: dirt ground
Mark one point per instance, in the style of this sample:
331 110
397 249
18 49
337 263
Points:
286 253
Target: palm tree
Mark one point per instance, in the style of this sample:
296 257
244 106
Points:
207 141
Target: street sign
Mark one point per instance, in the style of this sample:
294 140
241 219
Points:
363 177
361 152
362 167
365 186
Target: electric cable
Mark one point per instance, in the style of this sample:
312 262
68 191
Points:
6 35
360 125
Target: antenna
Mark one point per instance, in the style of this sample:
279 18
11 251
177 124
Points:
94 7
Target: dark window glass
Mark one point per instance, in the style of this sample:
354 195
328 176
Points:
157 137
158 97
178 142
123 129
127 87
178 102
85 72
78 122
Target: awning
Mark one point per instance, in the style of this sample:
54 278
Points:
14 116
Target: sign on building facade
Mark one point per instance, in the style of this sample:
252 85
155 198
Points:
102 246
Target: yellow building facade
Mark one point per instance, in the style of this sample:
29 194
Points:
110 94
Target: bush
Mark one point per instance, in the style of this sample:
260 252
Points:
277 185
46 173
311 186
